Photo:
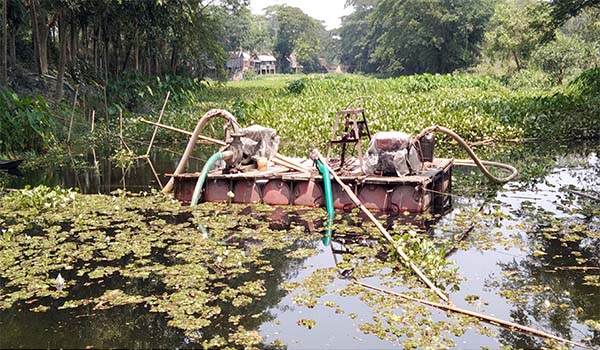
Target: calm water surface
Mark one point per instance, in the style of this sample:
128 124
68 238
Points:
487 269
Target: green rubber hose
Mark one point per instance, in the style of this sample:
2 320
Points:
328 201
203 175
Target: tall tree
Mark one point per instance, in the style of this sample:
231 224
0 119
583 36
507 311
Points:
106 37
356 46
4 57
236 27
437 36
62 59
563 10
298 33
513 37
16 21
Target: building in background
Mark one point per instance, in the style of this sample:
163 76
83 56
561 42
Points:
295 67
264 64
238 62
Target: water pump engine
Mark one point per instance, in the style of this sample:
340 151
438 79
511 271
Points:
395 153
249 146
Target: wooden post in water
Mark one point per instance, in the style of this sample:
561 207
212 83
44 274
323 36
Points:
72 115
93 117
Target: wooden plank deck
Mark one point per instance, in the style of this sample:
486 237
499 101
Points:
281 172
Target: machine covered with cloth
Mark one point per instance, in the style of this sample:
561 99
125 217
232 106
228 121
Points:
258 142
395 153
254 146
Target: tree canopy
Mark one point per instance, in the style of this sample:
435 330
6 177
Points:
111 37
406 37
298 33
104 39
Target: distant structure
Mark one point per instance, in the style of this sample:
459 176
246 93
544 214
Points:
295 67
264 64
238 62
330 68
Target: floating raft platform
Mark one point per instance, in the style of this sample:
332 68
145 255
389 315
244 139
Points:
278 185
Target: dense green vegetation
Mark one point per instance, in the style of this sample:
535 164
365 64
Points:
407 37
25 123
522 65
478 108
493 71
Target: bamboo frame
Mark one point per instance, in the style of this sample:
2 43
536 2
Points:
277 159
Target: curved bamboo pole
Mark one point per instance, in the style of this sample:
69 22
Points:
278 158
213 113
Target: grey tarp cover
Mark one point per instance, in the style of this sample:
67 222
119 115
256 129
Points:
391 153
259 142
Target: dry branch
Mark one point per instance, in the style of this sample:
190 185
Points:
162 111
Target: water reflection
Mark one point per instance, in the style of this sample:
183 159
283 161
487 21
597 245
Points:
550 286
135 326
93 170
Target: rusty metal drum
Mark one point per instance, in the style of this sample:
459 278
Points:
309 194
276 192
408 198
216 191
374 197
246 192
340 198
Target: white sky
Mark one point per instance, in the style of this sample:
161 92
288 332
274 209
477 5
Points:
329 11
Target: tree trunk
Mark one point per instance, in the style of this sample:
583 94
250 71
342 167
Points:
74 32
12 48
174 60
516 57
127 54
62 59
43 41
95 47
157 65
105 52
82 45
4 63
148 60
137 59
117 54
35 36
39 37
40 21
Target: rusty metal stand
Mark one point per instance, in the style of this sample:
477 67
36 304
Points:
355 127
